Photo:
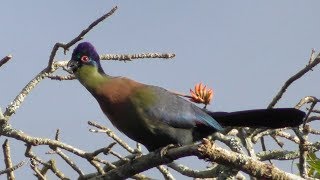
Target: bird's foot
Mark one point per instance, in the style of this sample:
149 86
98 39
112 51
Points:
164 150
137 154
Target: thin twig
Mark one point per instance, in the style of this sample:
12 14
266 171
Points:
165 172
13 168
7 158
28 153
52 66
61 78
298 75
78 38
312 55
34 167
112 135
5 59
15 104
104 150
70 162
53 167
57 135
303 153
130 57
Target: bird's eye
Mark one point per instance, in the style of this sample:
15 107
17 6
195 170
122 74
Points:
85 59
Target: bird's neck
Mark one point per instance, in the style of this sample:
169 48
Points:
90 77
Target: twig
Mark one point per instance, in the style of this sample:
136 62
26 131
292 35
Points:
61 78
70 162
1 115
65 157
104 150
130 57
313 131
230 141
97 166
206 150
34 141
13 168
165 172
306 100
288 136
303 152
313 104
56 137
15 104
34 167
7 159
246 141
285 154
278 141
28 153
53 167
186 171
312 55
112 135
52 66
5 59
298 75
118 156
78 38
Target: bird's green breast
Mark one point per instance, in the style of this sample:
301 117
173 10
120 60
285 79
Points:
90 77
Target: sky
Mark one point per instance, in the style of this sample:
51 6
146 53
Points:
244 50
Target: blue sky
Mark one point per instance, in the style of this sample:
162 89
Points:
244 50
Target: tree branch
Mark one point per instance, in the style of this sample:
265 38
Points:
5 59
78 38
298 75
208 151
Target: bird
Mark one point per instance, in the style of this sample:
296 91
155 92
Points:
156 117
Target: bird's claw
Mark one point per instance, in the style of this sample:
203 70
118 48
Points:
137 154
164 150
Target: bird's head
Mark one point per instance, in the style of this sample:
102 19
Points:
84 55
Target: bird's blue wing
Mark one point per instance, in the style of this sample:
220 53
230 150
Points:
177 112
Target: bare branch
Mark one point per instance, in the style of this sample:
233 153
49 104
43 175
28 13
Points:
78 38
306 100
70 162
130 57
5 59
312 55
28 153
61 78
13 168
7 159
112 135
104 150
184 170
53 167
15 104
165 172
298 75
34 167
207 151
11 109
1 115
35 141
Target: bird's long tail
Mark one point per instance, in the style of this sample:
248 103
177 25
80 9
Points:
270 118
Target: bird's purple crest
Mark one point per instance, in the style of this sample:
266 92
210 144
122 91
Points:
85 48
85 53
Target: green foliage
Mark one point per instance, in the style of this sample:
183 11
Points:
313 165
